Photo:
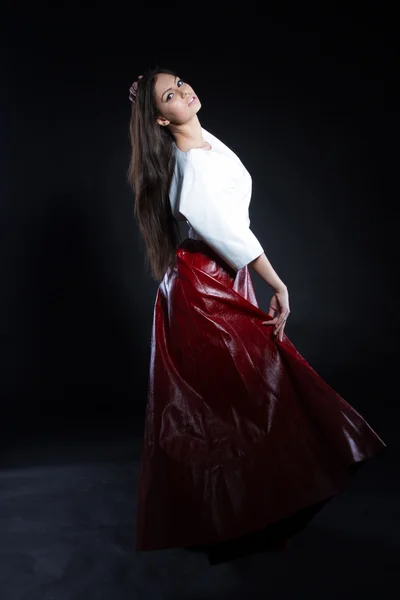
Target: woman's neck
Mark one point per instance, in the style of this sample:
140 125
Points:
189 135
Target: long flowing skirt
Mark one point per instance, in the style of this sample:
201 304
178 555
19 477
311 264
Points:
243 441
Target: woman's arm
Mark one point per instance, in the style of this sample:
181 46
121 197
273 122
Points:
265 270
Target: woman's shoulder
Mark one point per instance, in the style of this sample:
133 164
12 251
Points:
219 164
193 154
194 158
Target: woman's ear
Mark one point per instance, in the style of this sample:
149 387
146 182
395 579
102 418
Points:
163 121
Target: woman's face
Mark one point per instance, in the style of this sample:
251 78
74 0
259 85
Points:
174 100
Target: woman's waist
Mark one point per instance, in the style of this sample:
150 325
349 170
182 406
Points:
193 235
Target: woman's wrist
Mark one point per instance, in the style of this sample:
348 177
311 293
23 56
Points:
280 288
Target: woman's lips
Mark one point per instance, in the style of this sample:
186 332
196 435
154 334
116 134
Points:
193 99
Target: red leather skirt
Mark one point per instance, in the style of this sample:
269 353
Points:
243 442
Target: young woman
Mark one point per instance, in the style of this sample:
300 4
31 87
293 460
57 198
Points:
244 442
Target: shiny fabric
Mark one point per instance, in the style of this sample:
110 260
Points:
242 436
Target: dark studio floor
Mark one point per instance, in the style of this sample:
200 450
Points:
67 509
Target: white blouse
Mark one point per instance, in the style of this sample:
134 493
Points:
211 190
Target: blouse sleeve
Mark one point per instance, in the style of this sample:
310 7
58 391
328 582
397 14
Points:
208 202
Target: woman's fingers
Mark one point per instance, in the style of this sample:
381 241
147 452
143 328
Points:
270 322
279 321
279 331
279 304
280 327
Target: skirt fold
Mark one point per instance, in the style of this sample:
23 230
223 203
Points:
243 441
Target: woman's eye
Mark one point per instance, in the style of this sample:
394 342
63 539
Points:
179 80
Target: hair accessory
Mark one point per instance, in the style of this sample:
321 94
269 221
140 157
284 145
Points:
134 88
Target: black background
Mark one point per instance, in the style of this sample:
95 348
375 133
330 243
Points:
304 95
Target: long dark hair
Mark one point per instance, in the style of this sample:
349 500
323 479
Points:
149 175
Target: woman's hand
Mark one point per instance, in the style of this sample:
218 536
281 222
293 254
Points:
280 304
